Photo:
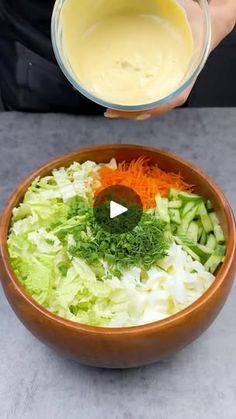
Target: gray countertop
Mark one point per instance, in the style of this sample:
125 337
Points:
197 383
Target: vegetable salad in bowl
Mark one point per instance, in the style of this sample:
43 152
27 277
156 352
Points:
81 272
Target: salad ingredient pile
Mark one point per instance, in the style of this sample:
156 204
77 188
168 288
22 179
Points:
79 271
147 181
143 246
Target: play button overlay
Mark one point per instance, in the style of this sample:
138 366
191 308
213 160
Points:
118 209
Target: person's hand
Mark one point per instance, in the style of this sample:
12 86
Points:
223 17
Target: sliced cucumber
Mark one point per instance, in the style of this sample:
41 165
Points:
191 253
192 232
182 230
203 238
175 204
211 242
187 249
186 196
162 208
215 259
202 251
220 250
188 207
200 229
175 216
219 234
206 221
214 218
194 225
213 262
209 205
173 193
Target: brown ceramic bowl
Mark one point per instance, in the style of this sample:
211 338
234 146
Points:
132 346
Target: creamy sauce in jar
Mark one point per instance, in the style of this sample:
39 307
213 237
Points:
127 52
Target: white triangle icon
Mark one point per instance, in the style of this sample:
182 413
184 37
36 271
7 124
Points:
116 209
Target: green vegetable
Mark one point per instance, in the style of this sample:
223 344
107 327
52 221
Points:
202 251
203 237
215 259
211 242
212 263
186 220
219 234
162 208
173 194
220 250
187 207
175 216
209 205
187 248
206 220
175 204
143 246
196 227
193 231
200 230
77 207
214 218
186 196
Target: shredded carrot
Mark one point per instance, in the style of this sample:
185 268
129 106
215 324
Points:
146 179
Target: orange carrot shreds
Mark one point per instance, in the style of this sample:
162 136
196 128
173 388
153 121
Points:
146 179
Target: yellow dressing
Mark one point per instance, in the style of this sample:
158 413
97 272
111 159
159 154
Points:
127 52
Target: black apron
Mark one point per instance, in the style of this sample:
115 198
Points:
30 79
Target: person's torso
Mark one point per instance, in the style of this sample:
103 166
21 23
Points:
32 78
28 21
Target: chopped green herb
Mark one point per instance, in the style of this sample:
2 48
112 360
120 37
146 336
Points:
143 246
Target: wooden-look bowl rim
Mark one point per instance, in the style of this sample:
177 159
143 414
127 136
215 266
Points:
158 325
